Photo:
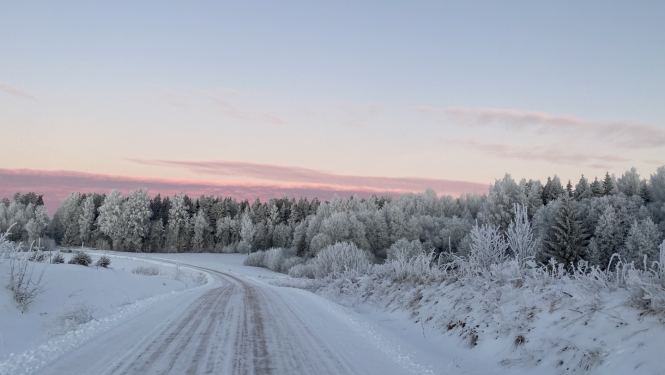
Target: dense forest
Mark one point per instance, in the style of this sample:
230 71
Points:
624 215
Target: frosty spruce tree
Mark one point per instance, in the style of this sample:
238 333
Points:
567 240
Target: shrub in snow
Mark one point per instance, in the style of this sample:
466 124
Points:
487 246
66 250
520 237
82 258
335 259
70 317
273 258
23 282
103 261
57 258
289 263
146 271
254 259
403 249
302 270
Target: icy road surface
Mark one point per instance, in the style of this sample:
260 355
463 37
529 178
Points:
242 325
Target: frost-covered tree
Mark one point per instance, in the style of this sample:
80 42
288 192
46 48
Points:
87 218
597 188
582 189
552 190
643 239
247 228
201 232
609 185
109 220
36 226
520 237
135 219
498 208
607 239
176 238
629 183
155 242
488 246
658 185
567 240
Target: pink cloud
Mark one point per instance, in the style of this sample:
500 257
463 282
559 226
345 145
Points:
621 133
280 173
16 92
558 155
56 185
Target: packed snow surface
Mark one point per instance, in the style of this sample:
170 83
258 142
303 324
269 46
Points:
240 322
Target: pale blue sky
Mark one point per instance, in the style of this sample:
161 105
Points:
73 70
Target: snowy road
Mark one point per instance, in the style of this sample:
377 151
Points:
239 326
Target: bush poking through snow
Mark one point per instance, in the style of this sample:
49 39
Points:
70 317
23 282
57 258
403 249
254 259
103 261
302 270
81 258
146 271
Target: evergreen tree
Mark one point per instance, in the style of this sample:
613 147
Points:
645 192
569 189
553 190
567 240
608 185
597 188
581 189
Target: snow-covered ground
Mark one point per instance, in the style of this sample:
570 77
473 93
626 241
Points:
241 322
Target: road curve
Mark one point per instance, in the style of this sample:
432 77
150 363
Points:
237 327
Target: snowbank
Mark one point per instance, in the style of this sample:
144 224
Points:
80 302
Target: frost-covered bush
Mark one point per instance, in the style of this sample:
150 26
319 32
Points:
57 258
335 259
289 263
103 261
520 237
487 246
71 316
254 259
302 270
23 282
81 257
403 249
146 271
273 258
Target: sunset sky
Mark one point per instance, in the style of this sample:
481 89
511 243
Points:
311 98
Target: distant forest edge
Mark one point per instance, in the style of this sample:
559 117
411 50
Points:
624 215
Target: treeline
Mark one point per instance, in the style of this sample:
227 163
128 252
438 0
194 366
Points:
624 215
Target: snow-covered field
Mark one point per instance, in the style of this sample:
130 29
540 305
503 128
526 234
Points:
241 322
